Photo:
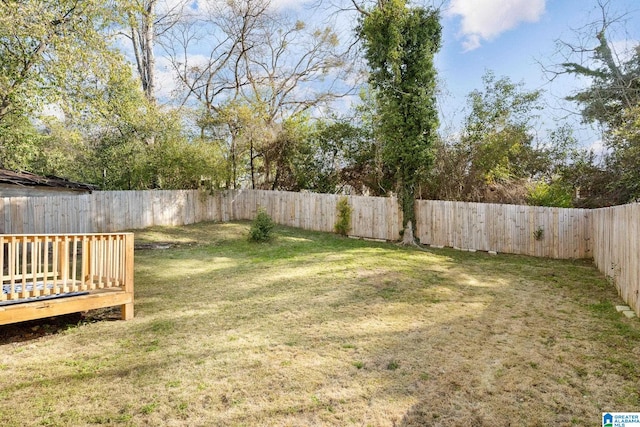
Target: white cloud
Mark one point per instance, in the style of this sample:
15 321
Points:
599 149
472 42
284 4
487 19
165 81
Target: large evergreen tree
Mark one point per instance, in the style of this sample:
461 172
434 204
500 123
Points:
400 43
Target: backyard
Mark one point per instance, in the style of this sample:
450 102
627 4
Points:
313 329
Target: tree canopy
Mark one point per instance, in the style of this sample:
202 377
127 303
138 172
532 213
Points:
152 94
611 99
50 52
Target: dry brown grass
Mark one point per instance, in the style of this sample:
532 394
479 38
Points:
317 330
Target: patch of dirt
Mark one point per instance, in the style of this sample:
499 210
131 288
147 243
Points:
155 245
34 329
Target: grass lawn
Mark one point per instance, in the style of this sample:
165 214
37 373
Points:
317 330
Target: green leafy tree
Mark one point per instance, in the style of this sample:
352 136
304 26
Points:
555 194
19 142
498 129
498 156
49 49
339 157
122 122
284 155
62 152
399 44
612 100
235 129
54 54
629 156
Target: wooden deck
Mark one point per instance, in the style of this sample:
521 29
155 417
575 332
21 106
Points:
54 274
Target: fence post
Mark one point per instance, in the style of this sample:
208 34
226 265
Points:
126 310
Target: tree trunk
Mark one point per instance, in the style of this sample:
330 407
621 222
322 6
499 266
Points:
252 166
408 238
150 60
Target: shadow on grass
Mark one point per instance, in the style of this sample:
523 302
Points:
34 329
509 356
312 329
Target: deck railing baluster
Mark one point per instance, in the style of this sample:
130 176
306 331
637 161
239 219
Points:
23 269
45 264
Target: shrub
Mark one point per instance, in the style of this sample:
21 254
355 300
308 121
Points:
261 227
343 225
553 195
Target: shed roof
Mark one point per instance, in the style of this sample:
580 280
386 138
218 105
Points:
29 179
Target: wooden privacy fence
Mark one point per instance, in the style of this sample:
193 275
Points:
109 211
372 217
104 211
528 230
616 249
611 236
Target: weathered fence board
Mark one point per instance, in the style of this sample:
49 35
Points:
527 230
616 249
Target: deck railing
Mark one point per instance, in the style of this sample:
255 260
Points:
35 266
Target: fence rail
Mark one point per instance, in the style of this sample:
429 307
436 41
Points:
611 236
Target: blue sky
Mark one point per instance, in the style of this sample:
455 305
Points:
513 38
520 34
509 37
